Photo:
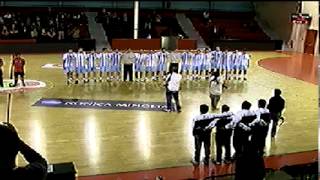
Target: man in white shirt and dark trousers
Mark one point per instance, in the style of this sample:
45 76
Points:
240 122
201 130
172 89
215 89
260 126
223 135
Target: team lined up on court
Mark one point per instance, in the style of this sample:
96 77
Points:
146 65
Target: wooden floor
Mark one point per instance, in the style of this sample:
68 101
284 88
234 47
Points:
110 141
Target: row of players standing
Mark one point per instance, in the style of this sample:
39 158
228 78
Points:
151 64
248 130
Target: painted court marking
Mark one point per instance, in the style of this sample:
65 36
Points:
101 104
30 86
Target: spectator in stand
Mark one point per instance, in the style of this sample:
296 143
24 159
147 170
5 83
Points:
60 32
5 32
43 36
206 16
51 34
34 33
13 31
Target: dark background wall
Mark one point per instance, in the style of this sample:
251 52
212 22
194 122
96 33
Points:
276 14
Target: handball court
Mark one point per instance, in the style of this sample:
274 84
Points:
121 144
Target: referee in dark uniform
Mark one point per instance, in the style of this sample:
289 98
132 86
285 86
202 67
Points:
1 72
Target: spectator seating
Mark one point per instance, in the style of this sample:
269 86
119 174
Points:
227 25
151 24
43 24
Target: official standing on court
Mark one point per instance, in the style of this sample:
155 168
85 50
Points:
127 61
172 85
276 106
1 72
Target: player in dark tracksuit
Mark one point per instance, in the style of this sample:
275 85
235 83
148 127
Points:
223 135
203 135
260 127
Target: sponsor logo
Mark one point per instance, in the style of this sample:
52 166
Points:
101 104
30 85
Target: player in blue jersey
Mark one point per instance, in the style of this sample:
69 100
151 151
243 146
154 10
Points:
81 66
186 64
115 64
196 65
244 65
69 60
162 62
91 65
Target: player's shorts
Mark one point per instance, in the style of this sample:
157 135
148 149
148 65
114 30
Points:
185 67
115 68
196 68
161 67
81 70
17 74
91 69
243 67
148 68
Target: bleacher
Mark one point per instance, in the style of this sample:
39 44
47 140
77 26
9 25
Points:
117 28
229 25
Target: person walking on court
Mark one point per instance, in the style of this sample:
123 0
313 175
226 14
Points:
172 85
18 64
1 72
276 106
216 85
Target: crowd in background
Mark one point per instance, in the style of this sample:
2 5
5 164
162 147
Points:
44 26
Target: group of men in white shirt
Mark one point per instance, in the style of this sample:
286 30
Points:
249 129
154 65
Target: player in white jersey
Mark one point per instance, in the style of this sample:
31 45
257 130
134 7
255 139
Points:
81 66
154 64
115 64
162 62
216 61
227 63
104 64
91 65
69 61
148 64
98 60
207 62
186 64
236 58
244 65
137 65
196 65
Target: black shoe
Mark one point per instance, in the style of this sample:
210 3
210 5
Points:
76 82
23 84
245 79
206 162
179 111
